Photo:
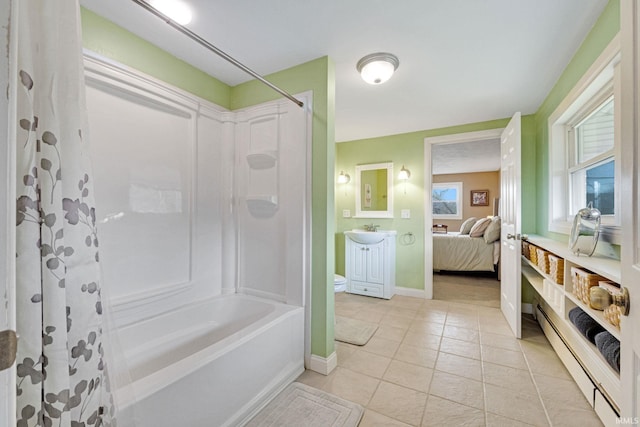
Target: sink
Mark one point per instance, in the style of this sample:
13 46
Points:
368 237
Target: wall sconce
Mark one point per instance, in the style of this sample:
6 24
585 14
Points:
377 68
404 174
343 178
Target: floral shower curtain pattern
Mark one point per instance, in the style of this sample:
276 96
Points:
61 373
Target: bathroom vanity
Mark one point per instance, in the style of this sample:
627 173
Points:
371 262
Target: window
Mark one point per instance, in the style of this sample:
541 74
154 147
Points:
446 200
584 160
592 172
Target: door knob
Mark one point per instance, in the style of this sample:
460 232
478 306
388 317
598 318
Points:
511 236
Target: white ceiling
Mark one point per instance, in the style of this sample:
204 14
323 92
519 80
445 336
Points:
466 157
461 61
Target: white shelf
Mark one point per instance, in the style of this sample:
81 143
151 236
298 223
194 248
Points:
560 300
262 206
607 267
262 160
550 291
597 315
532 275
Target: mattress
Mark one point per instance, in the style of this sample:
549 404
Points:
459 252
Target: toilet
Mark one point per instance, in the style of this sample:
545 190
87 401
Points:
339 283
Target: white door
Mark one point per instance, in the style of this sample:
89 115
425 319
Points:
510 292
7 211
630 161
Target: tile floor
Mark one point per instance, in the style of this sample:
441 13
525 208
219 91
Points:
449 363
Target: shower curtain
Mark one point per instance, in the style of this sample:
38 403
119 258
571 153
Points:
61 369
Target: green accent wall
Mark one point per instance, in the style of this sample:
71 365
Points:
408 149
318 76
604 30
111 41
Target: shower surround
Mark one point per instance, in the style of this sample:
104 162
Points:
195 203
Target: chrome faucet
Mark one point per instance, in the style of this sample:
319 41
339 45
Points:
371 227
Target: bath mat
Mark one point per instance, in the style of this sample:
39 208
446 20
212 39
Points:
301 405
354 331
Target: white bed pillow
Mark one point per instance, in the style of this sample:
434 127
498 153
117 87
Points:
465 228
478 228
492 233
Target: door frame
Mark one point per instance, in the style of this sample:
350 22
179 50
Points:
630 254
8 74
476 136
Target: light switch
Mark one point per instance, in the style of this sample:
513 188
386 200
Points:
405 213
346 213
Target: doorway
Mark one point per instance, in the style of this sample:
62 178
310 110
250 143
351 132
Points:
463 181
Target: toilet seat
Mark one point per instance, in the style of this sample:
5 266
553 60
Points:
339 283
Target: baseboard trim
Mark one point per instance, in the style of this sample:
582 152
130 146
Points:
410 292
323 365
527 308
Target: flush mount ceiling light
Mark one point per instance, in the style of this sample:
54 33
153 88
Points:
177 10
378 67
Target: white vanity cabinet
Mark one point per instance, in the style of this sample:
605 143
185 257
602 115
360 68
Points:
370 266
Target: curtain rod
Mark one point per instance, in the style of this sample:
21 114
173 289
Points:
193 36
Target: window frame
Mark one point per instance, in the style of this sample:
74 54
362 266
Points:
574 165
459 187
599 83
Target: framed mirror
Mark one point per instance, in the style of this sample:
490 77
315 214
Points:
374 190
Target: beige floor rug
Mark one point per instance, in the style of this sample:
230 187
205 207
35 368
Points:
302 405
354 331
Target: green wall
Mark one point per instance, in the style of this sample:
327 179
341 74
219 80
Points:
109 40
114 42
408 149
604 30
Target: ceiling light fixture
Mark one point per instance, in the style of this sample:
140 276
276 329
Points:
177 10
377 68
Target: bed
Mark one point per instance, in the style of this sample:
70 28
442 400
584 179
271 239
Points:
459 252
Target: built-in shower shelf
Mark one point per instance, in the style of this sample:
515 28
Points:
262 206
262 160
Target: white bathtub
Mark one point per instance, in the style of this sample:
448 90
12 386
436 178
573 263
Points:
213 363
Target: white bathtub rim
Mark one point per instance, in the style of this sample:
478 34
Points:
144 387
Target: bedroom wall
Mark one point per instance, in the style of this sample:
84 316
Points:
471 181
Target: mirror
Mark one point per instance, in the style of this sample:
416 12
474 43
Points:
374 190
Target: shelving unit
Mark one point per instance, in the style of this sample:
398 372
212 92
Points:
599 382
